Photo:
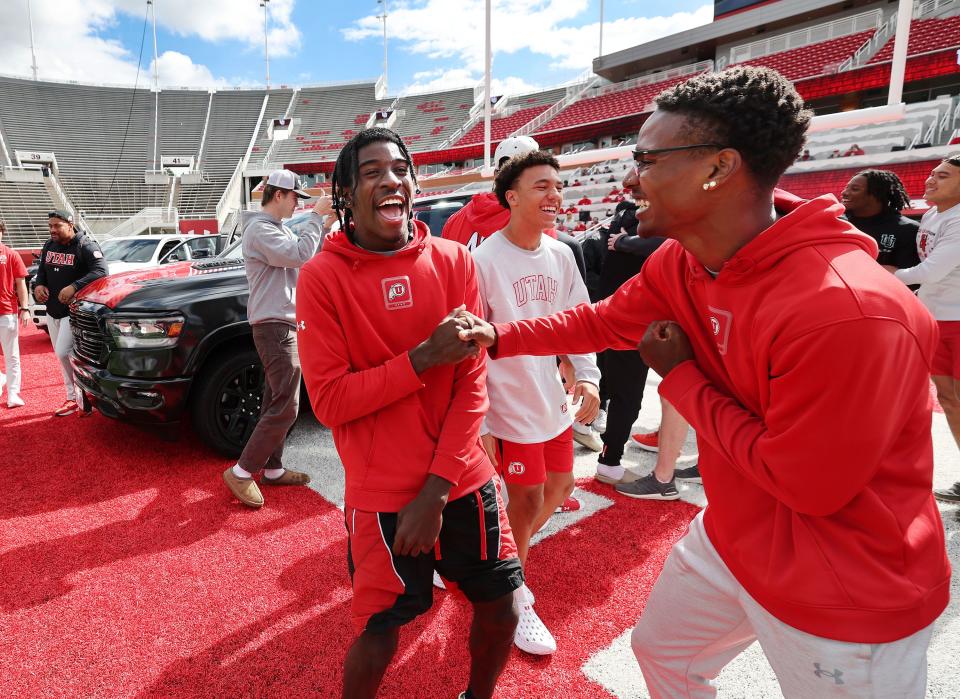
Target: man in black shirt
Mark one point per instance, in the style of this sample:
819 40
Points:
624 374
68 262
874 200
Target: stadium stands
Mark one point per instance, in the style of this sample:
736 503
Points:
814 59
814 184
926 35
101 152
233 121
183 114
520 111
427 120
24 207
277 103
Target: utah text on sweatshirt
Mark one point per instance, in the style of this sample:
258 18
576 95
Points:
815 448
358 315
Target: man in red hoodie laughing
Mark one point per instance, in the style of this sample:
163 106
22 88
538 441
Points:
386 371
821 539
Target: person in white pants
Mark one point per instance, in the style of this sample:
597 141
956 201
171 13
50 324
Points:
13 307
68 262
682 659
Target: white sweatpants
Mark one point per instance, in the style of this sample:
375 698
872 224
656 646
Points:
698 618
61 337
10 346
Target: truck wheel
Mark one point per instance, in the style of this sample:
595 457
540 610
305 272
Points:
226 404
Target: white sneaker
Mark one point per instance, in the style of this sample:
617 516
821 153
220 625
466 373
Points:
587 437
600 422
531 635
610 474
438 581
14 400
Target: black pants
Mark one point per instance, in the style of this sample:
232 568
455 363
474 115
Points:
624 376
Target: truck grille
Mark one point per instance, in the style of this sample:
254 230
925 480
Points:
88 340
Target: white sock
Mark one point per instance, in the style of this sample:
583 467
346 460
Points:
241 472
273 473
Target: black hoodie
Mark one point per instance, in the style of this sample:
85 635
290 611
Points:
78 262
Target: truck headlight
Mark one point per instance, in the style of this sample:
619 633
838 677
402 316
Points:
145 333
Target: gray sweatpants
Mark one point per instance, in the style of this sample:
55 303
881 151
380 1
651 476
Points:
698 618
61 337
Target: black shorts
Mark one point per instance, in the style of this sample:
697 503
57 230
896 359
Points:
475 553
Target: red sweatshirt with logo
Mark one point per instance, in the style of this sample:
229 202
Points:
809 393
358 315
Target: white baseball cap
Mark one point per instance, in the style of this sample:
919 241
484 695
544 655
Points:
514 146
284 179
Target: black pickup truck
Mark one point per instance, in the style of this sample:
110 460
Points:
160 345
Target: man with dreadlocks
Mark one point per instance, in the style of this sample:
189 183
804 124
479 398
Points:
405 398
873 200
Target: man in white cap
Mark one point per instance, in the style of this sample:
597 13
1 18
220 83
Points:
273 255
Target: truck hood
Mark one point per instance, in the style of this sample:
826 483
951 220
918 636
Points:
167 286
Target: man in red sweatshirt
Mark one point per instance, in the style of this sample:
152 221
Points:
386 371
821 539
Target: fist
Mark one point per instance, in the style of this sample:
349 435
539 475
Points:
664 346
324 205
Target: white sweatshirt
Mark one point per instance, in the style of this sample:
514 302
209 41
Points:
938 274
527 401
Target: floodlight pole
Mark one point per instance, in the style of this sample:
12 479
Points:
266 52
600 50
156 84
33 52
384 18
902 38
488 60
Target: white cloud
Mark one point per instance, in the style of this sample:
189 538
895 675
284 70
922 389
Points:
179 70
70 45
543 27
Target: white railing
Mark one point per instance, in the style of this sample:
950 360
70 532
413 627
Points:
206 125
544 117
921 9
160 216
804 37
663 76
230 201
871 46
3 147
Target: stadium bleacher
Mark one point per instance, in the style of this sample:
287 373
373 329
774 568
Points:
103 153
926 35
23 208
233 121
813 59
521 110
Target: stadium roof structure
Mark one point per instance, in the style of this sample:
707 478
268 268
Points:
700 43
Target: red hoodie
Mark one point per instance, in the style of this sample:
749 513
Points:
358 314
810 398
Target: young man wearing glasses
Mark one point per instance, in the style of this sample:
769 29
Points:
821 539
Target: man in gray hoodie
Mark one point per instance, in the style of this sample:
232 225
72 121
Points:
273 255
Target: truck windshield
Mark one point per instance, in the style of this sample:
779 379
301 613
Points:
129 250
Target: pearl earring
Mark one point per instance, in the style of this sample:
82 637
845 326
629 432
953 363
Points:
709 185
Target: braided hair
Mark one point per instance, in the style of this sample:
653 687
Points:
886 188
346 172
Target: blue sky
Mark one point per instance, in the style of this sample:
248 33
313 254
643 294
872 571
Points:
432 43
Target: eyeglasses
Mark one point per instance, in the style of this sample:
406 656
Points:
638 155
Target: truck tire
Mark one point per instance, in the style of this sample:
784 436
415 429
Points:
226 401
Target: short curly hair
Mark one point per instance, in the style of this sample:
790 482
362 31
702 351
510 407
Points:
513 168
754 110
886 188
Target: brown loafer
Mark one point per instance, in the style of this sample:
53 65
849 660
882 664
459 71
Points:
244 489
289 477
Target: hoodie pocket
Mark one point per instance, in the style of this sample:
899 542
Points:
401 451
